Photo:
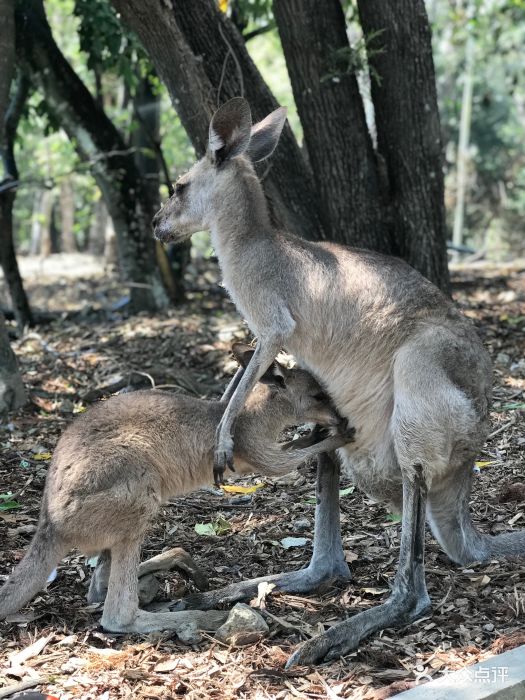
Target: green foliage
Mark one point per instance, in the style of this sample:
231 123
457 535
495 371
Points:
250 14
495 206
109 47
7 502
356 58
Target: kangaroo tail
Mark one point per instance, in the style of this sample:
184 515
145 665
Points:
31 574
451 523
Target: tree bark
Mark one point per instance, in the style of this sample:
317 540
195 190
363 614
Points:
196 49
318 58
98 142
146 141
7 55
97 228
67 216
45 220
408 130
10 112
12 392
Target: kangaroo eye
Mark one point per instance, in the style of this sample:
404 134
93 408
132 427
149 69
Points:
180 187
321 396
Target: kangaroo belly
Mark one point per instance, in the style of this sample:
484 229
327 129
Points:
363 392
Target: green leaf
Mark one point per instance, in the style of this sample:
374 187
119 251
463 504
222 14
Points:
7 502
510 407
394 517
205 529
345 492
217 528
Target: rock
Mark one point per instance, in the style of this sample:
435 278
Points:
302 524
148 588
243 626
502 359
517 369
489 627
514 492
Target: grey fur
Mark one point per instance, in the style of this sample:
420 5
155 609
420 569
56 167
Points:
393 352
116 464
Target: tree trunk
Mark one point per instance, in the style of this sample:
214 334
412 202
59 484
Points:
189 43
44 217
10 112
97 228
462 157
319 61
98 142
146 139
110 252
67 216
12 392
408 130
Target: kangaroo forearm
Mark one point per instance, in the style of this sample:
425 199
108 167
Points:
232 386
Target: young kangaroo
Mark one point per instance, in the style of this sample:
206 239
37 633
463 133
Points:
116 464
389 347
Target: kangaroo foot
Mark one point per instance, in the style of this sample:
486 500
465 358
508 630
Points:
188 625
302 581
345 637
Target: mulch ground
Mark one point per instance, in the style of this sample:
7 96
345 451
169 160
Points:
88 352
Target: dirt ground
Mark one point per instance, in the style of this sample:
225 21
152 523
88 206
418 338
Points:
89 351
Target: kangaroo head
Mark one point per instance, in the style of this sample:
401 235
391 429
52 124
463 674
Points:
295 397
233 145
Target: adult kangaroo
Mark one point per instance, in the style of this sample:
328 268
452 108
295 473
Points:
396 356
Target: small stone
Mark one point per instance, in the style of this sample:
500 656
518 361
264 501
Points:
489 627
302 524
502 359
517 369
148 588
243 626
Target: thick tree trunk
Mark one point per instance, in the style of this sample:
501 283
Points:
8 127
196 50
408 130
67 216
7 57
318 58
12 392
99 143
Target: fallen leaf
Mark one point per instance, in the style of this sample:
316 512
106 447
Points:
166 666
219 527
42 456
350 556
347 491
242 489
288 542
7 502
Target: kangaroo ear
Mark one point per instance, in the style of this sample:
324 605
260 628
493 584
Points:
243 353
229 133
275 375
265 135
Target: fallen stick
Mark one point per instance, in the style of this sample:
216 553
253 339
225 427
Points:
23 685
